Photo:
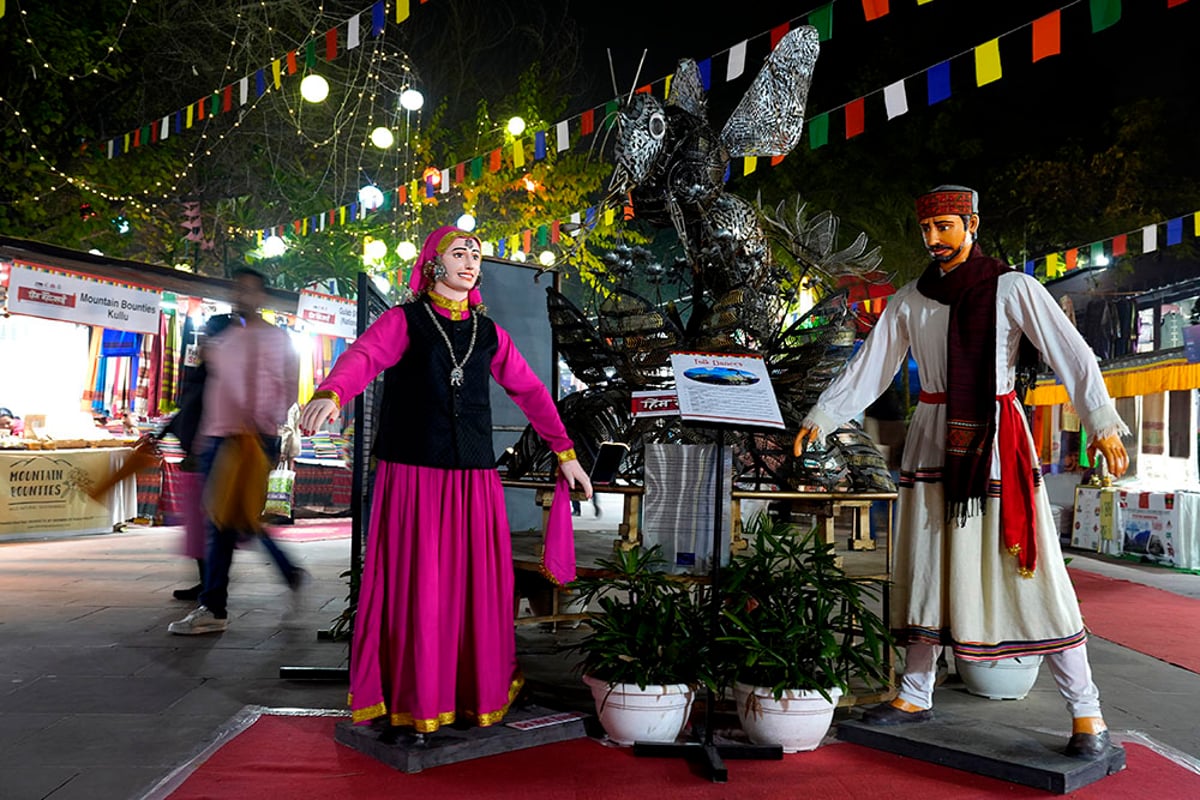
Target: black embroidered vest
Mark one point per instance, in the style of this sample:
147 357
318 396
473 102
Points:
424 421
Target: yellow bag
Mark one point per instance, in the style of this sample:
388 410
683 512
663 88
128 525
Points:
237 486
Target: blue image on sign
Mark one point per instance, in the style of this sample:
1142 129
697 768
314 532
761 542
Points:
1191 343
723 376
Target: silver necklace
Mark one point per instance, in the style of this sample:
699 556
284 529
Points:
456 371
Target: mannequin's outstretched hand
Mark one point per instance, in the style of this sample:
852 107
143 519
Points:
316 413
576 478
807 435
1114 454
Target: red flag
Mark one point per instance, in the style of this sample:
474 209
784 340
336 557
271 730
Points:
1072 257
527 239
227 99
1047 36
775 160
1118 245
586 122
554 231
855 111
494 160
331 44
1173 3
291 62
460 172
874 9
778 33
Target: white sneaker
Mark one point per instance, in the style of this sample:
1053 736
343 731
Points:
200 620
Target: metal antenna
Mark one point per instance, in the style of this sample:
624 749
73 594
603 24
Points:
637 75
613 73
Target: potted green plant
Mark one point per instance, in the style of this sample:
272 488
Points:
795 631
646 649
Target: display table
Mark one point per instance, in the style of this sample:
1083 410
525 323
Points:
1163 527
44 492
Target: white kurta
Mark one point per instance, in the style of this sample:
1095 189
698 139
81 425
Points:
951 584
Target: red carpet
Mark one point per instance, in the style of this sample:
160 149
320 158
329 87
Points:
311 530
297 757
1151 621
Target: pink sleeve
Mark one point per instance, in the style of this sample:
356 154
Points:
512 371
380 346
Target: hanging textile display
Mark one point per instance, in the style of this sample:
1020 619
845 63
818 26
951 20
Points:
166 383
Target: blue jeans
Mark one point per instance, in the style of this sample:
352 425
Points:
222 541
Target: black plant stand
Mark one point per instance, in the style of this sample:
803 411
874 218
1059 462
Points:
711 754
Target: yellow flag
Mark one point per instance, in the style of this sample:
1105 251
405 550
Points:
401 10
275 73
1054 266
923 2
518 154
749 163
609 214
1 8
667 85
189 115
1196 223
987 62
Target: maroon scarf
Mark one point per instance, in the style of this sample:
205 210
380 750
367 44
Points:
970 291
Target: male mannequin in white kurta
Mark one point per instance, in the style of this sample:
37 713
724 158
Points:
978 565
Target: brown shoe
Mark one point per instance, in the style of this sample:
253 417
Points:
1088 746
888 714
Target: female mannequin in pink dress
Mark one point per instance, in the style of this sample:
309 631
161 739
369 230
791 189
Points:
434 638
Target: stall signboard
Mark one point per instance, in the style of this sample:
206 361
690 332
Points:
325 313
46 491
72 297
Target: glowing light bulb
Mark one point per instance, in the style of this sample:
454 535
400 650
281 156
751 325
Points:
546 258
382 138
374 250
406 250
516 126
314 88
370 196
465 223
411 100
273 246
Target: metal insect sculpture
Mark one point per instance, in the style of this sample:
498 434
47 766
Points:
670 164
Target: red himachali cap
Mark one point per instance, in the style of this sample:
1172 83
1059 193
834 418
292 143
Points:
956 200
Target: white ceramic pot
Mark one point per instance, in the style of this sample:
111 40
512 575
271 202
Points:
1003 679
797 721
630 714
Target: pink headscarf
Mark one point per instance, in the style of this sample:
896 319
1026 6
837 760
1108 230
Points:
435 246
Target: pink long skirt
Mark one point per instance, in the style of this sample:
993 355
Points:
433 636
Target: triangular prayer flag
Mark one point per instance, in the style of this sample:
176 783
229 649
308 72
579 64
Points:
987 63
401 10
1149 238
1174 231
895 100
874 9
818 131
938 82
1119 245
644 89
518 153
855 117
749 163
777 33
587 122
562 131
822 20
1105 13
737 60
1047 35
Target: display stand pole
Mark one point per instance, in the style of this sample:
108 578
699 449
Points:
710 753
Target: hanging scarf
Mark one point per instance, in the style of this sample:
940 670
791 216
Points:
970 291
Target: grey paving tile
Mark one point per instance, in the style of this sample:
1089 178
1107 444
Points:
113 695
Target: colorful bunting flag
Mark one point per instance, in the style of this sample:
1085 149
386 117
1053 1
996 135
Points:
1047 36
777 33
938 82
1105 14
987 62
1096 255
874 9
855 117
895 99
1149 238
822 20
1174 231
737 60
1119 245
818 131
749 164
